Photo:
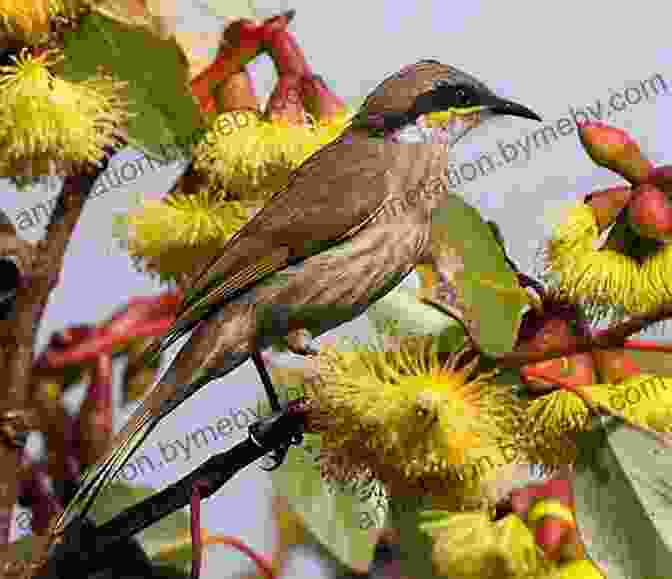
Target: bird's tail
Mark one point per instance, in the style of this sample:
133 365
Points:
99 475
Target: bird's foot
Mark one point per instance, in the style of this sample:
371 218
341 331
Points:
277 456
301 342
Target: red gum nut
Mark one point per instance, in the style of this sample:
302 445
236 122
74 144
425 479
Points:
552 333
236 93
551 534
284 104
242 44
557 488
319 100
661 177
278 22
614 149
650 213
286 53
607 204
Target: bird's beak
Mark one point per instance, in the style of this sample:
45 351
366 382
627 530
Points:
499 106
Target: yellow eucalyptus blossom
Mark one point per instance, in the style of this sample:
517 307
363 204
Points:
173 236
252 158
601 279
645 400
28 20
47 122
559 412
471 546
409 420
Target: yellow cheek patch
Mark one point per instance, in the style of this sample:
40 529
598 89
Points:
442 118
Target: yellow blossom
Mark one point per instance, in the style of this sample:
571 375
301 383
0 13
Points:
604 280
175 235
252 157
470 545
28 20
644 400
408 419
47 122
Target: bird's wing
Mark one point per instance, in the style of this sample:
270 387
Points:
334 193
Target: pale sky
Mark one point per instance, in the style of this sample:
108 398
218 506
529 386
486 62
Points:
548 56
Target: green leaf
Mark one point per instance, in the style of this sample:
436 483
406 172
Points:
156 69
623 489
474 281
335 517
167 542
402 310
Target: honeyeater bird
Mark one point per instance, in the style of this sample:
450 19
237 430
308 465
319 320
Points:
352 222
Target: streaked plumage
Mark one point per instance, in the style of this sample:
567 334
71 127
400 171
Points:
347 229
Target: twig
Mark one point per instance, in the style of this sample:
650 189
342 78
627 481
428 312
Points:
83 549
609 339
17 333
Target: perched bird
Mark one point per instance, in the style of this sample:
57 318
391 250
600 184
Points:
353 221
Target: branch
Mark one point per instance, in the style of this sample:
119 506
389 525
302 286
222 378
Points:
85 549
611 338
17 333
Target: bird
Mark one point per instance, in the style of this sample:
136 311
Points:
352 222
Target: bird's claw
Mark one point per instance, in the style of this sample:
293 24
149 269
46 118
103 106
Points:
301 343
277 456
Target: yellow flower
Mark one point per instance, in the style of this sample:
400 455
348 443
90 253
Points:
47 122
645 400
603 280
409 420
470 545
28 20
252 157
559 412
177 235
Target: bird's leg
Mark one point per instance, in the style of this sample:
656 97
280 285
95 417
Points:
300 341
278 455
266 381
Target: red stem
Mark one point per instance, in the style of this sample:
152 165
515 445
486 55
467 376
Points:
95 415
196 536
263 566
44 505
647 346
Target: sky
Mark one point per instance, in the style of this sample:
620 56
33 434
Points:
552 57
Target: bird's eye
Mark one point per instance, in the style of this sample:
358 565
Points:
462 97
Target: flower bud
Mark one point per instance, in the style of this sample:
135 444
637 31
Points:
616 150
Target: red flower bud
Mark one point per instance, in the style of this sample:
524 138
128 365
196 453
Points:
285 104
607 204
616 150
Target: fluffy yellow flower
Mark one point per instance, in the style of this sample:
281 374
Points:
47 122
408 420
28 20
645 400
470 545
252 157
605 281
174 236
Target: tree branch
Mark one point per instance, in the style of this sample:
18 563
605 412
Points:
17 333
613 337
83 549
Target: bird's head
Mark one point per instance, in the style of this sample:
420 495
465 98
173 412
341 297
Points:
430 101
